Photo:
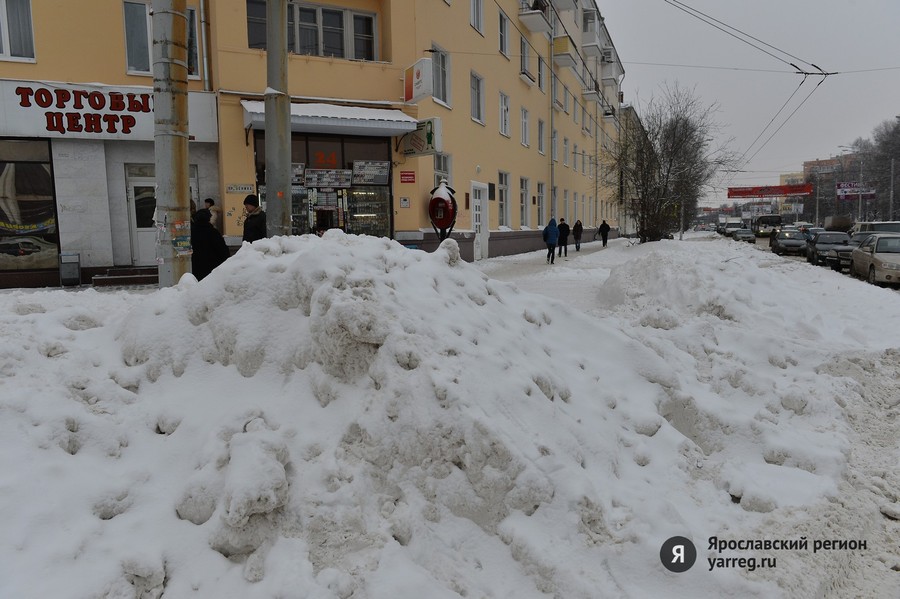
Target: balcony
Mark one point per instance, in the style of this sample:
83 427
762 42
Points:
564 51
535 15
592 94
591 41
563 5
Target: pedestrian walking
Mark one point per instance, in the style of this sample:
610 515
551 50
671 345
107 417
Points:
604 232
551 236
207 244
563 244
577 230
255 222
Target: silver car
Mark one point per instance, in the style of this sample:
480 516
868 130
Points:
877 259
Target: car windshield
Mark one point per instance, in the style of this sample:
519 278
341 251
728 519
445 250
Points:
888 245
857 238
832 238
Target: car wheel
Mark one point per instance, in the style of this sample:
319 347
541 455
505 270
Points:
872 276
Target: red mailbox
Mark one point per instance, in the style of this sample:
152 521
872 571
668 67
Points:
442 210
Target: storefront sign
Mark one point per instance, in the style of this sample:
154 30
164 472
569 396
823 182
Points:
316 177
418 82
802 189
426 140
239 188
39 109
371 172
407 176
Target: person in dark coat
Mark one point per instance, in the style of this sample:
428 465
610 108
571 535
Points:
604 232
255 223
577 230
563 238
208 245
551 236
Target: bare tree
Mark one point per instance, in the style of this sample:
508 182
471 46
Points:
665 159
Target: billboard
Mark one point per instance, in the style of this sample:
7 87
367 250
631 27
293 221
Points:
768 191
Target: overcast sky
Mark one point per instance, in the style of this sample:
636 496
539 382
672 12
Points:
859 40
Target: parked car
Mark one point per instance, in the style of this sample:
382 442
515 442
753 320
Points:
877 259
818 247
744 235
789 242
838 258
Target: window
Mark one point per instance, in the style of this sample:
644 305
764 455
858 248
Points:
440 61
566 99
138 38
565 210
542 74
575 110
575 205
525 127
575 157
503 198
476 15
16 35
525 57
477 97
540 134
442 169
523 201
317 31
504 114
565 151
554 141
504 34
540 204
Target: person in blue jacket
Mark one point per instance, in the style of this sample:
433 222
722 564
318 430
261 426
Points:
551 236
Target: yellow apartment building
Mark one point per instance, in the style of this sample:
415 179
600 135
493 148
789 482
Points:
511 102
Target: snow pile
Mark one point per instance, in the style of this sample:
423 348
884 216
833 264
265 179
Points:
343 417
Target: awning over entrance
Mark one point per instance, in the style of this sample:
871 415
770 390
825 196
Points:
330 118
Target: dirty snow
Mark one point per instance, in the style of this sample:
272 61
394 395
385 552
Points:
342 417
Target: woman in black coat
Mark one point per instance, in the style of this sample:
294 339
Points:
208 245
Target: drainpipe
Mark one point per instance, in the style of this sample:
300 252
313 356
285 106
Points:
553 199
204 43
170 134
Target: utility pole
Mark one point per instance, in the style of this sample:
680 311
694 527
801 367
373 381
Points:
278 122
170 135
818 195
859 207
891 200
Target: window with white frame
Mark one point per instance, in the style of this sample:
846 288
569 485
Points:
584 162
575 205
565 151
16 33
576 109
504 34
442 169
524 126
504 114
523 202
477 94
565 210
476 15
554 202
565 99
554 139
440 62
542 74
540 203
575 157
138 38
554 89
503 198
318 30
540 136
525 57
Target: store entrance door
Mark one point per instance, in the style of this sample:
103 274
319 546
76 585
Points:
479 220
142 205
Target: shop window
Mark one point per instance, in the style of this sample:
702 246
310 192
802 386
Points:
139 36
16 35
28 233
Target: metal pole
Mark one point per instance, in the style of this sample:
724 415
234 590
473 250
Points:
818 194
170 134
278 122
859 207
891 197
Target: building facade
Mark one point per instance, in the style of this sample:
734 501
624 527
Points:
511 102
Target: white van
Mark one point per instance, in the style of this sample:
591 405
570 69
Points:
891 226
